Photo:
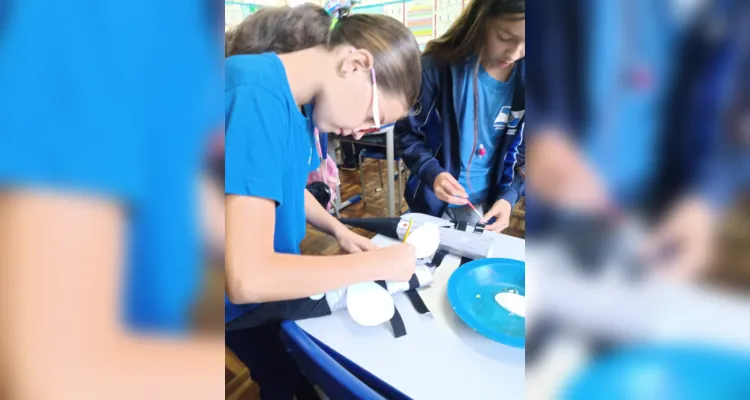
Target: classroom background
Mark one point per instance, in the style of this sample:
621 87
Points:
427 19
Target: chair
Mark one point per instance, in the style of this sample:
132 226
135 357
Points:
322 370
376 154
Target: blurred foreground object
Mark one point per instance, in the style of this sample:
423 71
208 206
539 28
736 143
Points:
105 113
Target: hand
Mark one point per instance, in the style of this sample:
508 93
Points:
561 176
683 245
448 189
400 261
352 243
501 211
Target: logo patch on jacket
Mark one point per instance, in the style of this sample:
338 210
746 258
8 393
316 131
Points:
502 118
515 118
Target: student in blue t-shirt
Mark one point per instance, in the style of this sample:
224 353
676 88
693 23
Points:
100 155
363 72
463 144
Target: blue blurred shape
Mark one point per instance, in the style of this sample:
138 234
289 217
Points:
664 372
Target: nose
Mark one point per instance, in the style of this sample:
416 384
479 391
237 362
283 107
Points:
518 52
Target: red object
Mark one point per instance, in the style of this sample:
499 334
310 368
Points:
481 151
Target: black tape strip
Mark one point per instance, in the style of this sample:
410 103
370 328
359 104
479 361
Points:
437 259
397 324
461 226
413 282
479 229
414 297
277 311
464 260
417 302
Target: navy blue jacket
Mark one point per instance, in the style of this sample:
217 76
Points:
690 155
429 143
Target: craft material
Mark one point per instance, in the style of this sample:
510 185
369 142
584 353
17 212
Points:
512 301
369 304
456 238
481 217
408 230
426 239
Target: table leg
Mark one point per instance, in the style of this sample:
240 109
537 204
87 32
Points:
389 150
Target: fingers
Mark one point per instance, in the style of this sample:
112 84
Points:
368 245
353 249
500 224
455 188
449 190
448 198
453 195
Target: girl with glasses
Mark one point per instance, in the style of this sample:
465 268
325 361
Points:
357 72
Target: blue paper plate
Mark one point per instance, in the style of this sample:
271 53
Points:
471 292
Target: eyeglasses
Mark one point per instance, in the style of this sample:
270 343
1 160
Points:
375 107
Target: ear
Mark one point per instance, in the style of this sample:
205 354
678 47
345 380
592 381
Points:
356 60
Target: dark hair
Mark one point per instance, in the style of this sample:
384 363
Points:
288 29
280 30
466 36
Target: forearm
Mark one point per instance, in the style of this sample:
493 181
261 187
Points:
319 217
290 276
514 191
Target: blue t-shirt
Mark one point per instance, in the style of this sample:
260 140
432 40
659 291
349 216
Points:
495 98
100 98
269 148
630 42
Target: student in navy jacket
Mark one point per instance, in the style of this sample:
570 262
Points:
682 150
463 144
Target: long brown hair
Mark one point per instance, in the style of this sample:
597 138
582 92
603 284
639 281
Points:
397 62
279 30
466 36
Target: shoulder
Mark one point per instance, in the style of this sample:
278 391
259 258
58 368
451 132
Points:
259 80
262 70
431 65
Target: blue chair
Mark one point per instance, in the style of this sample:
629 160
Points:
322 370
376 154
